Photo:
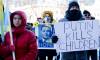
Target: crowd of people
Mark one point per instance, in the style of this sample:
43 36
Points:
25 40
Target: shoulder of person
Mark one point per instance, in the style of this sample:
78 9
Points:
54 21
82 18
63 20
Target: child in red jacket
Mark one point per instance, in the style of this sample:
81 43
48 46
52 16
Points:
25 46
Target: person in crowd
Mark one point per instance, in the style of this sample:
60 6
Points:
90 53
87 15
29 26
40 20
46 33
72 14
25 45
48 17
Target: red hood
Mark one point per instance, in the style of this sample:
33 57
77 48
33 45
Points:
23 24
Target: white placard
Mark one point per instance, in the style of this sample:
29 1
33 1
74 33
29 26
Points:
77 35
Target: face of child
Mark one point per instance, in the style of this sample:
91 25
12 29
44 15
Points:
47 18
17 20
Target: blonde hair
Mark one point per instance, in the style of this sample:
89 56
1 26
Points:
49 13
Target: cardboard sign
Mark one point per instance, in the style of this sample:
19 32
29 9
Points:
77 35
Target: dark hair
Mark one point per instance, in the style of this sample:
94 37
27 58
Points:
86 12
30 24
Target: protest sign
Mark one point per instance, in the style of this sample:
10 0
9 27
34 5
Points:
77 35
44 33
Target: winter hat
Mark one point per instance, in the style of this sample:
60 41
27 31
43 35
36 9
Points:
86 12
73 3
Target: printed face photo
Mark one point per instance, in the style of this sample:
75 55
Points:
46 32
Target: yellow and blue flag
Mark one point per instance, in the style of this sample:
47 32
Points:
1 19
4 17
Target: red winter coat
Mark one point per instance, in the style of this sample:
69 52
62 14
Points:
24 42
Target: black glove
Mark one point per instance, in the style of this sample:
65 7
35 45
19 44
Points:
36 37
54 39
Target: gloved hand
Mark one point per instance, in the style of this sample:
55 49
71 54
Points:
12 48
54 39
36 37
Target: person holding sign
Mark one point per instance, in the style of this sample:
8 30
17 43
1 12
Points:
46 31
25 46
90 53
73 14
87 15
48 17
